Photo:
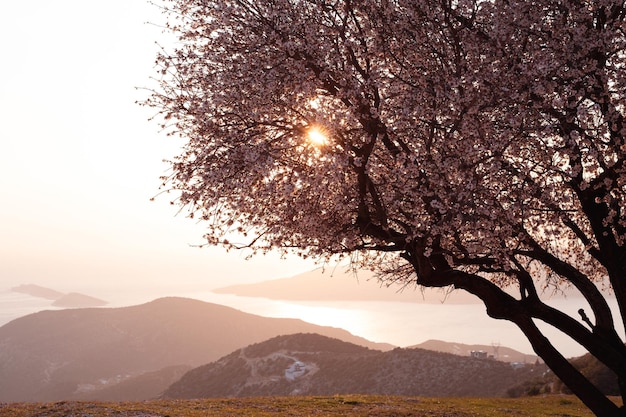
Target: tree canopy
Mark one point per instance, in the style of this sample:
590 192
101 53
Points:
475 144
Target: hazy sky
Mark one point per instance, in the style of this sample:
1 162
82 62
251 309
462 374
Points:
79 160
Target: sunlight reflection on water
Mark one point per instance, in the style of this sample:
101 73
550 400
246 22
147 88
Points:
398 323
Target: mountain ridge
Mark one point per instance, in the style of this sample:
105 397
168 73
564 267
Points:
54 355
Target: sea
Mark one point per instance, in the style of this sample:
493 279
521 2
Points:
401 324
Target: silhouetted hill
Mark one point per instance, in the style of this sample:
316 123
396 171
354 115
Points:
501 353
65 354
310 364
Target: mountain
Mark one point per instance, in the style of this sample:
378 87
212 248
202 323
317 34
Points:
326 285
501 353
310 364
76 353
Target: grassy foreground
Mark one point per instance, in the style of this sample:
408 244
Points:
340 405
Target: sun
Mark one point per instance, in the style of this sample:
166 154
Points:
317 137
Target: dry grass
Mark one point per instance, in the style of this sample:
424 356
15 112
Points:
343 405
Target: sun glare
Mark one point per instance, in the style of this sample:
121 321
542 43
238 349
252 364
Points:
317 137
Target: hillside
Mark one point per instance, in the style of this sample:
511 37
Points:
308 364
77 353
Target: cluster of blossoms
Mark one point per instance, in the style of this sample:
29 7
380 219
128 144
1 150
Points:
476 127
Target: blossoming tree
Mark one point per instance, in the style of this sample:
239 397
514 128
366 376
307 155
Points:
473 144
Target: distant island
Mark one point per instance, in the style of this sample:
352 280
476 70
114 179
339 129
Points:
37 291
60 299
338 285
75 299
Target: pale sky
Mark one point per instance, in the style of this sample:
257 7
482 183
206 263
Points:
79 161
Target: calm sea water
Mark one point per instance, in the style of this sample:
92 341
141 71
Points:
398 323
14 305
